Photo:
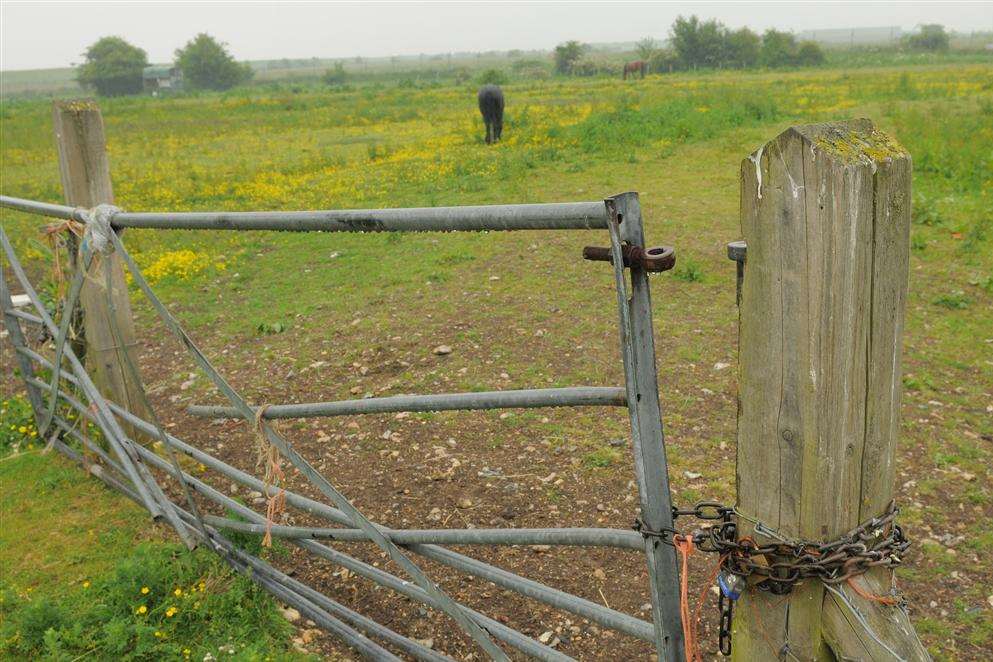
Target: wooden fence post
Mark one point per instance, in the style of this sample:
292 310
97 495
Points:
825 213
85 172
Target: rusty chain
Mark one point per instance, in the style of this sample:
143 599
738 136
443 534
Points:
782 564
778 566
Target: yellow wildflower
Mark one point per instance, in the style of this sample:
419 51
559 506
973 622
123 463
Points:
142 609
171 611
178 592
144 590
22 429
86 584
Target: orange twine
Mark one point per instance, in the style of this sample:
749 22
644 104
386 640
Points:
52 234
887 600
268 456
684 545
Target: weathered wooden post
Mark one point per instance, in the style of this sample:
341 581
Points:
825 213
86 183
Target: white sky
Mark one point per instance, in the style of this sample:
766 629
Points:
54 34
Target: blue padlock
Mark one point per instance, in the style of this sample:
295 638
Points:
730 585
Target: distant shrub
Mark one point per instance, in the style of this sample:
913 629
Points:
113 67
809 54
492 77
664 60
567 55
206 64
931 38
335 76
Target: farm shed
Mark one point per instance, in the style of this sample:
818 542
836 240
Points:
161 78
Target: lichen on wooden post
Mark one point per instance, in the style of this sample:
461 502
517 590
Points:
86 182
825 213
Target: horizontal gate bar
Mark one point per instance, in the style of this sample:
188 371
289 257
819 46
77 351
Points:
508 635
26 316
367 625
546 216
580 396
604 616
582 537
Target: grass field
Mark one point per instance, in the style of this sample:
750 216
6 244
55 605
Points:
317 316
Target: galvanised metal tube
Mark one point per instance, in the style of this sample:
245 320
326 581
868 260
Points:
547 216
238 560
581 537
137 473
582 396
597 613
502 632
43 208
27 317
364 623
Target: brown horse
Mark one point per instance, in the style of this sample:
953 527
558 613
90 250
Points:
638 66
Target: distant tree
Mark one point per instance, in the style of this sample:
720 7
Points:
664 60
335 75
696 43
778 49
646 48
809 54
112 67
492 77
741 48
206 64
566 56
931 38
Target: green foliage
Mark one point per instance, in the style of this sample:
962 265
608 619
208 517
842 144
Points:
335 76
778 49
270 328
955 300
931 37
688 270
160 602
17 429
646 48
696 43
207 65
113 67
566 56
809 54
741 48
664 60
492 77
601 458
925 211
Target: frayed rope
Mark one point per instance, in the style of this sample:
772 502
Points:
267 456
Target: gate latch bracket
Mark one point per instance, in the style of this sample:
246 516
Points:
654 259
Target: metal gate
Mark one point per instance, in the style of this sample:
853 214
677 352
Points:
126 464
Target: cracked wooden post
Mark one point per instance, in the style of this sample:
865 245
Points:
825 213
85 172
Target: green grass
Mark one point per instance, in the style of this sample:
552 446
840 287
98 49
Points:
678 140
84 573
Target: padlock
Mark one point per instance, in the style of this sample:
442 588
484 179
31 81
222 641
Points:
730 584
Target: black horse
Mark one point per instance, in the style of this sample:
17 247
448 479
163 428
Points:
491 106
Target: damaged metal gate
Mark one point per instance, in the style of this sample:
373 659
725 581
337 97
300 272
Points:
126 465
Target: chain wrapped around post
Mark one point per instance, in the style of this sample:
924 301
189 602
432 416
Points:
779 566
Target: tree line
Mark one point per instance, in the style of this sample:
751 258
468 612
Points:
696 44
114 67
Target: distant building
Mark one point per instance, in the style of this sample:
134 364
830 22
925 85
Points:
162 79
853 36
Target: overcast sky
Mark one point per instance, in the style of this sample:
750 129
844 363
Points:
54 34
